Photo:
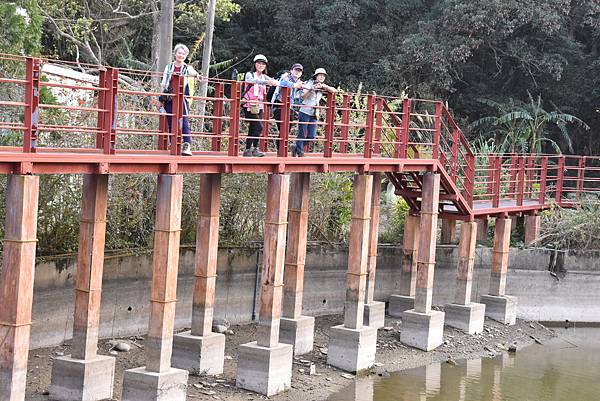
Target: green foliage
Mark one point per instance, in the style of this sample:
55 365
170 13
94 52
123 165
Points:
20 27
567 229
393 217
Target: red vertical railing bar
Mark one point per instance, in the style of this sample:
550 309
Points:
263 143
111 106
513 176
470 175
329 126
368 151
490 174
378 125
100 122
286 115
177 119
455 147
580 177
530 172
32 100
543 179
217 123
234 124
437 130
560 178
497 172
344 131
406 110
521 181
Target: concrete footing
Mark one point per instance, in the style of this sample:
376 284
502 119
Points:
142 385
82 380
265 370
422 330
299 333
503 309
468 318
400 304
374 314
352 350
199 354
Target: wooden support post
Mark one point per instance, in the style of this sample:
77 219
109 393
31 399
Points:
466 261
267 334
16 283
90 265
295 257
165 263
500 256
408 278
482 229
358 252
427 243
448 231
532 228
373 237
207 247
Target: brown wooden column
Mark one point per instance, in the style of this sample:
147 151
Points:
373 237
274 252
427 242
295 257
500 256
408 278
358 252
466 262
448 231
532 228
164 273
207 247
16 283
482 229
90 266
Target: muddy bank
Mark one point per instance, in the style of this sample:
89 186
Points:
391 356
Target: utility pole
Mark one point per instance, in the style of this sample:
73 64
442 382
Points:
206 53
165 33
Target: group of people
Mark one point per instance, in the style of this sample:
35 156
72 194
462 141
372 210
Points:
305 97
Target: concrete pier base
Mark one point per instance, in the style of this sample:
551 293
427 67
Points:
299 333
265 370
374 314
82 380
400 304
468 318
142 385
424 331
199 354
352 350
502 309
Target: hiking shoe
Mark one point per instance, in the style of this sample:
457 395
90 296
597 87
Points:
186 149
257 153
247 153
293 149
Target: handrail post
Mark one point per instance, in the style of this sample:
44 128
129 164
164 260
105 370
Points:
284 133
490 174
455 147
345 121
103 85
110 117
378 125
521 180
560 177
580 177
330 125
368 151
177 118
513 177
497 173
406 109
217 123
435 154
32 100
263 143
543 179
471 178
234 123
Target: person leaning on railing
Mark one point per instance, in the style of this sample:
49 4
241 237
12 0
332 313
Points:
167 86
289 78
254 94
309 113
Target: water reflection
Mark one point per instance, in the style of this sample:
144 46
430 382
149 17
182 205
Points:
566 369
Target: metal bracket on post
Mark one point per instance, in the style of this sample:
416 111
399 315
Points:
32 100
110 116
330 125
345 121
378 126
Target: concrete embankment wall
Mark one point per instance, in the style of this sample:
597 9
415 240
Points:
126 287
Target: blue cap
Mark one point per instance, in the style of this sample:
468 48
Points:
297 66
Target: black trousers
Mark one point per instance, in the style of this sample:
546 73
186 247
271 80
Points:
254 128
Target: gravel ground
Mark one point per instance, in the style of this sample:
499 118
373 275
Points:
391 356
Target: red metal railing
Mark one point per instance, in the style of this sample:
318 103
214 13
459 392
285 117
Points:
45 109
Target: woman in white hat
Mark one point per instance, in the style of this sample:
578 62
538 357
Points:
178 67
254 93
307 117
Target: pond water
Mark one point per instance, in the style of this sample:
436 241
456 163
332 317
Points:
566 368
